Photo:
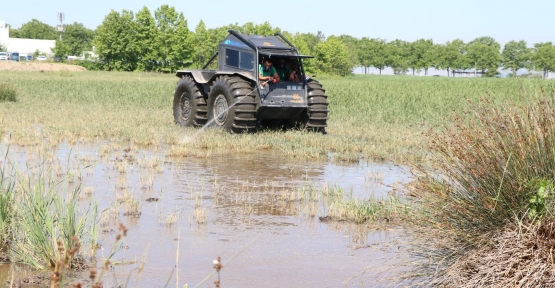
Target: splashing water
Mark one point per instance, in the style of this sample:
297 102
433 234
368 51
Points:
189 139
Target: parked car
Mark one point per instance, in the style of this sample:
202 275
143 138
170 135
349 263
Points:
29 57
3 56
41 58
15 56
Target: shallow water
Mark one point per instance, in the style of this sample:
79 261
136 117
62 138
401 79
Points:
249 205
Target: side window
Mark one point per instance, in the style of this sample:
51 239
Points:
239 59
247 61
231 57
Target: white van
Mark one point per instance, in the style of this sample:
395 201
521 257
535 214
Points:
4 56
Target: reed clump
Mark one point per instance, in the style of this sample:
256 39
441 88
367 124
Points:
7 92
489 174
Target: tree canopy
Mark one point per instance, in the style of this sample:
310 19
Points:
35 29
161 41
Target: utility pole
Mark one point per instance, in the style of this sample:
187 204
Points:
61 27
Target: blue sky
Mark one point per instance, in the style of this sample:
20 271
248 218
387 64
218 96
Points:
389 19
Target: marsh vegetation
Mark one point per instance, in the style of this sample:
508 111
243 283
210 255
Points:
88 151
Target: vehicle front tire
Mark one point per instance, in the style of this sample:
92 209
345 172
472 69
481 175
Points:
189 104
232 105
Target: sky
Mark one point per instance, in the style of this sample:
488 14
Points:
439 20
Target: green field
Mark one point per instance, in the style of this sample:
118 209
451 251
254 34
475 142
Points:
372 117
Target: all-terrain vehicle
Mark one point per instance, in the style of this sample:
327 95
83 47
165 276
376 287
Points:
235 99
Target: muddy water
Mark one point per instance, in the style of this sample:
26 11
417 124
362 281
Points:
253 215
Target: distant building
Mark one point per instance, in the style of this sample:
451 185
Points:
24 45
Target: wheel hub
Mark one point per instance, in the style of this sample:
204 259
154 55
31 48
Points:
220 110
185 107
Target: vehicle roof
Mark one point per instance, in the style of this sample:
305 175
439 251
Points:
266 45
259 41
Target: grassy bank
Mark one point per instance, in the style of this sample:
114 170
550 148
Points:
372 117
487 195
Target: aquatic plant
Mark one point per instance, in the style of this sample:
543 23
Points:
488 174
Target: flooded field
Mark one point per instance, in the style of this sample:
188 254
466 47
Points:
265 212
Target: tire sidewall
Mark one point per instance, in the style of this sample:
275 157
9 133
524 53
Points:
220 88
184 92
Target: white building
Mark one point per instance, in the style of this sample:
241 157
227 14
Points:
20 45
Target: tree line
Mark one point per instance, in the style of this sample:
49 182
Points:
161 41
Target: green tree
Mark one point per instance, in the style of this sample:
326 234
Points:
174 39
146 39
543 57
398 56
372 53
486 40
331 57
301 45
115 41
515 55
351 44
77 38
203 49
259 29
312 40
3 47
450 56
61 50
14 33
483 53
35 29
421 55
484 57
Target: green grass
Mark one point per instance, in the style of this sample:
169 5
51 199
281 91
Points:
48 224
7 92
372 117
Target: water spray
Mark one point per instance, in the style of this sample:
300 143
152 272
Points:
186 139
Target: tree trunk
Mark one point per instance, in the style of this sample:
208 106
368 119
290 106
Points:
412 71
447 72
380 71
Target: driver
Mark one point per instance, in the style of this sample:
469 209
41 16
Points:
267 72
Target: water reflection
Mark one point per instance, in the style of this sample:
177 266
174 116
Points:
216 205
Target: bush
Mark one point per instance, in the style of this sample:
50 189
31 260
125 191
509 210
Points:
89 65
7 92
492 170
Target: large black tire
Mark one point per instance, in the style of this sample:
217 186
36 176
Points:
232 105
189 104
316 118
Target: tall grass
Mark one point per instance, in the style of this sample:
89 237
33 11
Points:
491 171
7 92
7 209
371 117
49 224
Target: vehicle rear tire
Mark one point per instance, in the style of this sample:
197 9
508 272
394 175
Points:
232 104
189 104
316 117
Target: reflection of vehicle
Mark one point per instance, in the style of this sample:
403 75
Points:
15 56
3 56
233 98
41 58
